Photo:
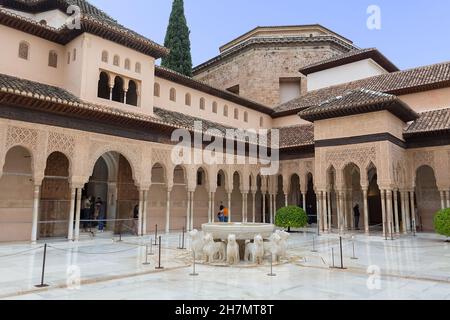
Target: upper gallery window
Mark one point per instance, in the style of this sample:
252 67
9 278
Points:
53 59
214 107
202 103
156 89
187 99
173 94
137 68
105 56
245 116
127 64
116 60
24 50
236 114
225 111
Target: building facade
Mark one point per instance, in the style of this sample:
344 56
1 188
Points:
86 112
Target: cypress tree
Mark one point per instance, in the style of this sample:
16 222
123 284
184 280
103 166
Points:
177 40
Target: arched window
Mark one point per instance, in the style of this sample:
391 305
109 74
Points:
173 94
214 107
245 116
187 99
74 54
116 60
156 89
236 114
137 67
53 59
118 93
105 56
127 64
68 57
24 50
261 122
225 111
103 86
132 96
202 103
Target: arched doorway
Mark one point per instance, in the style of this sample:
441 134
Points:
295 195
311 200
236 198
374 200
132 96
280 199
156 210
353 196
331 198
110 197
179 199
118 92
16 195
55 198
428 201
103 90
201 199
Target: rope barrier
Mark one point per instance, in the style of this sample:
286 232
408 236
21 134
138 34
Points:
92 253
21 252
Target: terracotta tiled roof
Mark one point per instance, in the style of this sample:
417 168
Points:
349 57
397 83
358 101
296 136
436 121
92 21
174 76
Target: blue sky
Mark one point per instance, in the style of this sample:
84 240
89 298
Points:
413 33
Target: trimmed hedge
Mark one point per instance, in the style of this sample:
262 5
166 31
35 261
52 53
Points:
291 217
442 222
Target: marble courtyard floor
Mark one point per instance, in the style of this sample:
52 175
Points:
406 268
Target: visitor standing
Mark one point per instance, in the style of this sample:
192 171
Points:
225 214
99 214
221 214
357 214
136 219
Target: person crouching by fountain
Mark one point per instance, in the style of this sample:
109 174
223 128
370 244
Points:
225 214
221 214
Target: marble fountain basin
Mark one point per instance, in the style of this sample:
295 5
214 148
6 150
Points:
242 231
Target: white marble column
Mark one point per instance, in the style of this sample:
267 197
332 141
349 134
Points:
304 201
341 211
442 193
140 210
330 212
213 206
192 210
144 213
229 207
403 206
35 219
73 192
264 198
413 211
270 208
78 215
389 212
319 210
210 207
188 211
366 210
397 221
447 195
407 212
383 211
254 206
243 207
286 200
169 192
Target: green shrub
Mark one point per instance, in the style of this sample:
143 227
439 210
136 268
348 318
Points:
442 222
291 217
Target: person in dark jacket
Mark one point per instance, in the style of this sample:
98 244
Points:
357 214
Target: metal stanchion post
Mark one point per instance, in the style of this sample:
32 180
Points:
314 245
332 258
159 256
354 255
194 274
146 263
156 234
271 274
120 232
43 285
181 241
342 255
414 228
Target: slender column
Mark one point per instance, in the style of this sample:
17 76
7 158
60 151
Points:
125 97
34 226
274 207
324 211
447 195
264 197
78 215
213 206
442 192
270 208
330 213
366 211
188 211
229 207
243 207
413 211
141 203
73 192
319 210
383 211
341 212
389 210
144 213
345 210
111 92
192 210
254 206
209 207
402 207
169 192
407 212
304 201
338 209
286 201
397 221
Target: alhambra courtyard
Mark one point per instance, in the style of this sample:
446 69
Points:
89 184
